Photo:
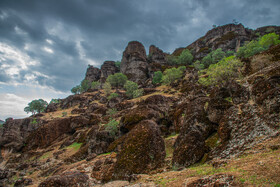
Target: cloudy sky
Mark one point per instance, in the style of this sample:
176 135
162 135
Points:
45 46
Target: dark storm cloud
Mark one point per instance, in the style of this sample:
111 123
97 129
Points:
64 36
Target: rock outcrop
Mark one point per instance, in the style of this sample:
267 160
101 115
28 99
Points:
228 37
14 132
108 68
134 62
157 55
93 74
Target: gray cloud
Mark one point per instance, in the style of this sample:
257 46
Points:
64 36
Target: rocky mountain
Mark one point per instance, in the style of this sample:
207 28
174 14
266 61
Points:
183 134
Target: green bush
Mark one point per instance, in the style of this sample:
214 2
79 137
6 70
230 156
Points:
95 84
64 114
107 88
138 93
256 46
130 87
171 59
118 64
197 65
111 111
222 72
185 58
170 75
213 57
112 127
117 80
76 89
157 77
85 85
113 95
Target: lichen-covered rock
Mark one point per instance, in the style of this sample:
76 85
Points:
75 179
157 55
23 182
49 132
142 150
93 74
108 68
14 132
242 127
103 167
196 128
134 62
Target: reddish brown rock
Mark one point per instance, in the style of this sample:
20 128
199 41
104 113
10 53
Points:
212 181
142 150
157 55
75 179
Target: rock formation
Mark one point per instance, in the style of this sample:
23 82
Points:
108 68
92 74
134 62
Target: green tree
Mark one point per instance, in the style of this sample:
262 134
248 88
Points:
113 95
213 57
36 106
112 127
107 88
130 87
222 72
85 85
171 59
76 89
95 84
185 58
170 75
117 80
157 77
118 64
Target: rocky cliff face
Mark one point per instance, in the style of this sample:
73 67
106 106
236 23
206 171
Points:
92 74
134 62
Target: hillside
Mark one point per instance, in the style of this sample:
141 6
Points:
184 133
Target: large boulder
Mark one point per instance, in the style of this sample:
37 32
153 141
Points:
134 62
108 68
92 74
196 128
72 178
142 150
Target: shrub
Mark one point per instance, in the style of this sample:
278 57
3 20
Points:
76 89
117 80
118 64
64 114
107 88
213 57
254 47
138 93
171 59
170 75
185 58
85 85
157 77
112 127
222 72
198 65
130 87
95 84
113 95
112 112
182 68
